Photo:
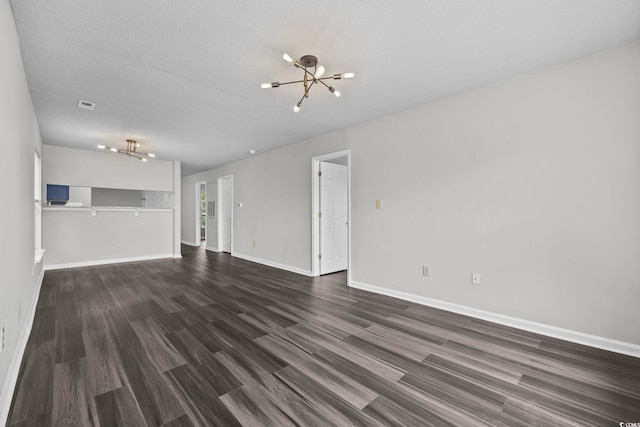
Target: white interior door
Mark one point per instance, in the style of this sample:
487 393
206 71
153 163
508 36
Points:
333 217
226 200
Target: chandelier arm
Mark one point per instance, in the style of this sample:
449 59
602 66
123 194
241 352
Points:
288 83
327 78
327 86
313 76
306 92
300 102
300 81
134 154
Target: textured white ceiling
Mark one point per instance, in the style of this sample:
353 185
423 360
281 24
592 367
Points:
183 77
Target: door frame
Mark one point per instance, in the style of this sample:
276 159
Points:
219 207
315 206
198 240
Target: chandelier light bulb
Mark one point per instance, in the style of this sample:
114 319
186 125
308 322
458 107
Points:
151 155
115 150
296 107
337 94
287 58
319 72
144 160
265 85
348 75
102 146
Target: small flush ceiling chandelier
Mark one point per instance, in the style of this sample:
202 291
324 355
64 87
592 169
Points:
309 78
131 151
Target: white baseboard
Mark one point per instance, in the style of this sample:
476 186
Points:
539 328
107 261
186 242
176 256
212 249
14 368
273 264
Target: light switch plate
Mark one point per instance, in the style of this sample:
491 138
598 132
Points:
378 204
426 270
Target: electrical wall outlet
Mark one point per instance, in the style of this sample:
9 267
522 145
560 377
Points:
255 243
475 278
426 270
378 204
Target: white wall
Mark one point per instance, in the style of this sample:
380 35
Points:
532 182
187 210
68 166
91 241
19 281
116 197
110 235
79 195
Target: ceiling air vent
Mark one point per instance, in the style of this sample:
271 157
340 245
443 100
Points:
86 105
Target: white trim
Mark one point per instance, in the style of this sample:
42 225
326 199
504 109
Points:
14 368
212 249
273 264
176 256
514 322
108 261
185 242
38 256
315 202
177 211
219 211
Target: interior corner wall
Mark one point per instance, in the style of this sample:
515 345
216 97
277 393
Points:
19 282
532 182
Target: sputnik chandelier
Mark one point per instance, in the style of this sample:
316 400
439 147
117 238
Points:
131 151
309 78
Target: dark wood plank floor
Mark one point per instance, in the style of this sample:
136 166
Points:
212 340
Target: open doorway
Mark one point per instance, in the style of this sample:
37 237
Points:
201 214
225 216
331 213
